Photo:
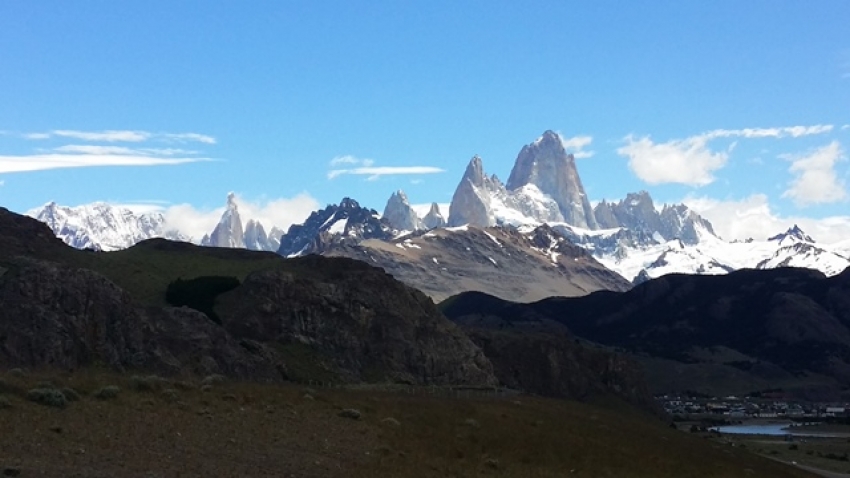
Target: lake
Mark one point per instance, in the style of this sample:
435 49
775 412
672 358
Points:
773 429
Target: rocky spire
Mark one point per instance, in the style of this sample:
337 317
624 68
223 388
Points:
228 232
255 237
546 165
400 215
434 218
471 200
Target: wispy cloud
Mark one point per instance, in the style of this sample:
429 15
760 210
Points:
376 172
348 159
124 136
816 180
691 161
365 167
144 150
39 162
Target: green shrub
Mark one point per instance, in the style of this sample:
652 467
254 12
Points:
5 403
150 383
170 395
47 396
107 393
212 379
17 372
70 394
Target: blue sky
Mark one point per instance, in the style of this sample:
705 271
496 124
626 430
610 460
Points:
739 108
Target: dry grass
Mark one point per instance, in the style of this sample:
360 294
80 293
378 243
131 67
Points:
247 429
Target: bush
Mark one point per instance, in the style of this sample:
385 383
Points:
70 394
5 403
151 383
212 379
200 293
170 395
17 372
47 396
107 393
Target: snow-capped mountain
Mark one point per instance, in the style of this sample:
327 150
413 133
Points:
711 255
434 218
347 221
228 232
400 215
102 226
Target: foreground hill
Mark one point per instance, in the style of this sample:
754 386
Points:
742 332
309 318
156 427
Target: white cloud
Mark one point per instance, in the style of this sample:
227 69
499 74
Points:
352 160
690 161
2 182
375 172
279 212
108 136
576 145
783 132
687 161
101 150
845 127
187 137
816 180
753 217
125 136
39 162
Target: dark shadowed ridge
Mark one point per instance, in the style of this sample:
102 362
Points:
788 325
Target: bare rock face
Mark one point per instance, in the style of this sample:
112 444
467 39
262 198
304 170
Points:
434 218
357 321
57 316
228 232
546 164
471 200
400 215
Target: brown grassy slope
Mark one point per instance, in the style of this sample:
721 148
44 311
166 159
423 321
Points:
242 429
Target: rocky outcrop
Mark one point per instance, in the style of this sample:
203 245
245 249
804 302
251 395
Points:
228 232
434 218
57 316
400 215
546 164
471 200
347 222
356 321
638 213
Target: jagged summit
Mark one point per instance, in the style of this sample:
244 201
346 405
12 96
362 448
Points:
471 201
793 234
345 222
228 232
546 165
400 215
434 218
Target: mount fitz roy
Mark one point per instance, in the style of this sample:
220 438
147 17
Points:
632 236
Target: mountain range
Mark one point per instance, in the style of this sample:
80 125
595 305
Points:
633 237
